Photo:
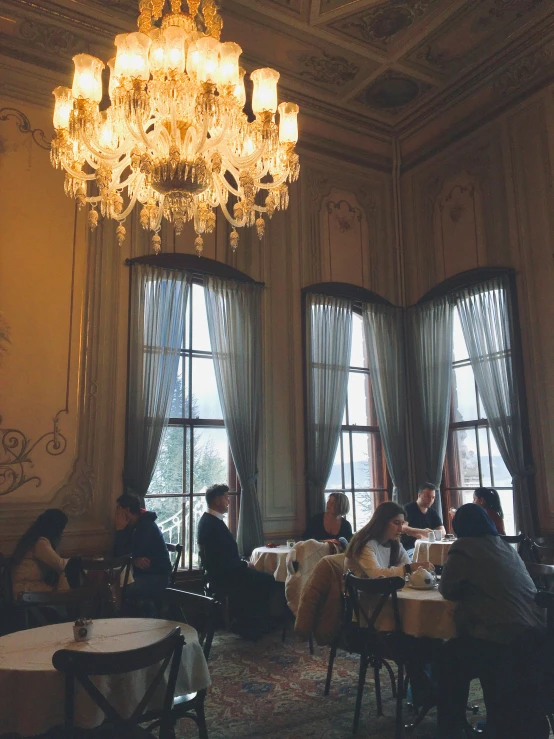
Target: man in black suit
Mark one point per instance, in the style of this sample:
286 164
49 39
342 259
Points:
250 591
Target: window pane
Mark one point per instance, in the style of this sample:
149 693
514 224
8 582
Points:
200 333
507 502
346 458
467 450
484 457
205 400
358 354
179 402
501 476
198 508
335 478
210 457
168 472
364 509
460 348
463 394
358 399
363 472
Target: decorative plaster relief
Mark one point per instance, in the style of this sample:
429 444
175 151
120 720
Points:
392 92
332 70
16 450
295 5
24 126
379 25
344 237
523 71
51 38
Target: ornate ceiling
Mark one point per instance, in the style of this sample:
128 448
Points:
386 67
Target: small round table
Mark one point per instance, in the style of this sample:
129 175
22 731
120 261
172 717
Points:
435 552
272 560
32 689
423 613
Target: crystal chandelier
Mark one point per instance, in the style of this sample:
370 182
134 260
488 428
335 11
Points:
175 138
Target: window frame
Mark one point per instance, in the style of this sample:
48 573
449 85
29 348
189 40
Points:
199 267
357 295
452 496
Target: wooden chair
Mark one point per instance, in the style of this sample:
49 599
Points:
209 591
542 575
114 572
543 550
79 667
524 545
88 601
176 549
360 635
6 596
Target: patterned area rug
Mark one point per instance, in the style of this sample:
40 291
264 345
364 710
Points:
274 690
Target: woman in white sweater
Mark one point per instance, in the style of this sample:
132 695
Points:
376 551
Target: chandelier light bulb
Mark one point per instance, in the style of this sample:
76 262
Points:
87 80
229 63
288 123
264 97
175 142
62 107
207 69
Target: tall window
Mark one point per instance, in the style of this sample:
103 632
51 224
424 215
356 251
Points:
194 451
359 469
472 458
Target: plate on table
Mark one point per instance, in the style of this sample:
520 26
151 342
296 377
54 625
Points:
421 587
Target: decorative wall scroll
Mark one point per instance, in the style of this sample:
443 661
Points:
344 214
24 125
15 455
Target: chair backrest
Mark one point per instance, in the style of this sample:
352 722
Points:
198 611
6 589
88 601
546 600
367 610
80 666
114 566
178 550
542 550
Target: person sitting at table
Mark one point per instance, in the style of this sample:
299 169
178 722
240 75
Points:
36 565
421 517
489 500
376 551
332 524
138 534
496 619
250 592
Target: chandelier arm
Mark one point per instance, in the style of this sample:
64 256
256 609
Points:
79 175
129 208
142 133
100 153
243 162
228 216
160 215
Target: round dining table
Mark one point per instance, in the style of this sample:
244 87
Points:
423 613
272 560
435 552
32 689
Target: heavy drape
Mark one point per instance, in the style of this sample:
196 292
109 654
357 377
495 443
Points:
158 304
486 316
328 345
234 323
384 335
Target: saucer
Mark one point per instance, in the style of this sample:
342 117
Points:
422 587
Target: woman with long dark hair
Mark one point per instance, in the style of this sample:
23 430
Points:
376 551
489 499
36 566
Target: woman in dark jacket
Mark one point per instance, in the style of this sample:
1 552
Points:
495 617
332 524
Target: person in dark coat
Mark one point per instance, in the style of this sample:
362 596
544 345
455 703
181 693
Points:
498 626
138 534
250 592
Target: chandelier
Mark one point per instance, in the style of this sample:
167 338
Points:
175 138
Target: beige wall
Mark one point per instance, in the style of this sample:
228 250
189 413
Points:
64 292
487 201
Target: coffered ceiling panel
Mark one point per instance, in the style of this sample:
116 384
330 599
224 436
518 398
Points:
392 93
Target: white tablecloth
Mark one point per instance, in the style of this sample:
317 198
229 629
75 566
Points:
32 691
422 612
435 552
272 560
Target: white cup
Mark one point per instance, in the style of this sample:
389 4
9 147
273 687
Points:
438 535
291 543
431 536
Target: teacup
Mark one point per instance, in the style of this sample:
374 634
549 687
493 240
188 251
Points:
422 578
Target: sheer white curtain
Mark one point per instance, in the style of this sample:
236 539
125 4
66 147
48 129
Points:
234 323
158 304
384 335
328 345
486 316
431 338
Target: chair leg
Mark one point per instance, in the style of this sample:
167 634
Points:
332 655
202 728
392 680
377 678
399 729
361 682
